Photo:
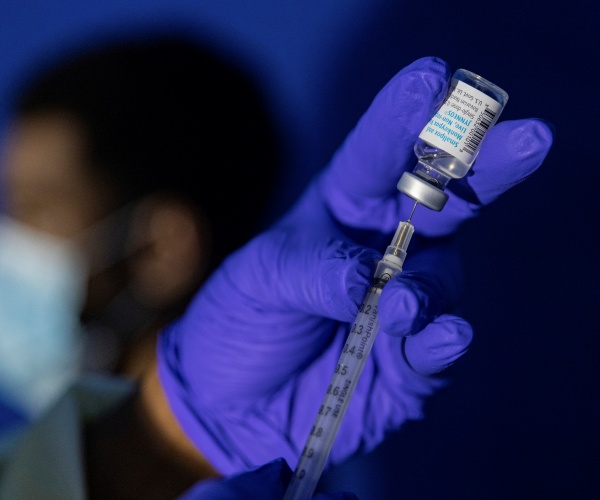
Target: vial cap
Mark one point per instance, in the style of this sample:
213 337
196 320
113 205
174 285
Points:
423 192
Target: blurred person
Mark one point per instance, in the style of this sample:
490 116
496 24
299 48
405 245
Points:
128 173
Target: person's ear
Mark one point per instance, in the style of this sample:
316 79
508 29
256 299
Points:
175 238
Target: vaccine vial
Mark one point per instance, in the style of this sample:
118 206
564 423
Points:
448 145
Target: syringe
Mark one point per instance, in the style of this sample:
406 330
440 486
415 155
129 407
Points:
347 371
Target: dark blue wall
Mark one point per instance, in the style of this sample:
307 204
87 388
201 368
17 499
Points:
520 417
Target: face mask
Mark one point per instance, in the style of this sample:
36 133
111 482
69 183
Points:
42 286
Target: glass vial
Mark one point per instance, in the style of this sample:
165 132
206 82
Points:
450 142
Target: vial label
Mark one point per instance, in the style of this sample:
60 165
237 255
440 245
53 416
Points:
462 121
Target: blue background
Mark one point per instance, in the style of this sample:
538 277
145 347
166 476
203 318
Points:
520 418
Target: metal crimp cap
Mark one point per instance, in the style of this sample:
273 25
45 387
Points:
422 191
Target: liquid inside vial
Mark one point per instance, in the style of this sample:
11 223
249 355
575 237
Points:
432 159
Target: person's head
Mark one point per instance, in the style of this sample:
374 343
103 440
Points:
154 156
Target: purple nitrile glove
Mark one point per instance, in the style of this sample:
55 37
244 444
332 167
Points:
267 482
246 367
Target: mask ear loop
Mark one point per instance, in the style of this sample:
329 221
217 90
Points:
107 240
124 317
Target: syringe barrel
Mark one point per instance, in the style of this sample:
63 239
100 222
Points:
347 372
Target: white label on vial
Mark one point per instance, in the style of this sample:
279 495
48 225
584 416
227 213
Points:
461 123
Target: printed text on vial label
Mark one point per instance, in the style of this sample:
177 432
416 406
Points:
462 121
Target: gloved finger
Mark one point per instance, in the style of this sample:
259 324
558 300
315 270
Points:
512 151
298 273
265 307
408 304
438 345
359 186
429 286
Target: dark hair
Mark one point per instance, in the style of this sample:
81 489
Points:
167 115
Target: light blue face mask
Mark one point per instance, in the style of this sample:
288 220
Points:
42 287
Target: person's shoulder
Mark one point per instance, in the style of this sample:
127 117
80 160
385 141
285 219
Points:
49 454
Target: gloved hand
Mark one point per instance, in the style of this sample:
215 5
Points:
246 367
267 482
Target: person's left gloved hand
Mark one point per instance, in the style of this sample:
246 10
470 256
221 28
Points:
267 482
246 367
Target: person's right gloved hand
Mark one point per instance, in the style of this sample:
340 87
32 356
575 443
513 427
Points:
246 367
